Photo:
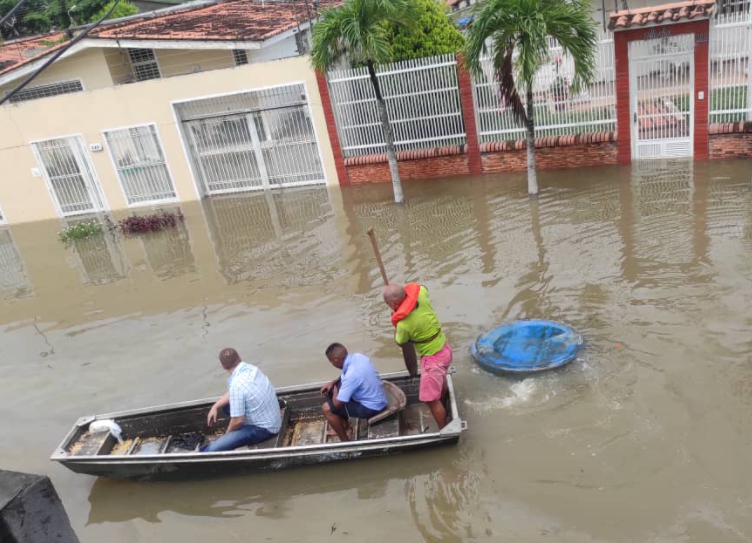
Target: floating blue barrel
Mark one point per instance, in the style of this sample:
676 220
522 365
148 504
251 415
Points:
526 346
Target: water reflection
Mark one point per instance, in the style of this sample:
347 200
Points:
14 281
169 251
100 259
260 235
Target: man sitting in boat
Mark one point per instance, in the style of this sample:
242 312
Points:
416 322
250 402
357 393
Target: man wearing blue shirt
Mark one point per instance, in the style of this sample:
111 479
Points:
357 393
251 403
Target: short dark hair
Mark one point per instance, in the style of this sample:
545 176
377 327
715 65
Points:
228 357
331 349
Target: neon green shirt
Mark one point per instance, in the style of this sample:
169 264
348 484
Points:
420 325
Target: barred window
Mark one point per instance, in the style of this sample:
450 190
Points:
240 56
144 64
45 91
140 164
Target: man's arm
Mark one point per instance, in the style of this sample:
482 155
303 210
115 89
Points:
235 424
211 419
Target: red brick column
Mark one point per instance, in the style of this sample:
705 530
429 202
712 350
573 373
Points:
702 77
331 128
623 119
474 163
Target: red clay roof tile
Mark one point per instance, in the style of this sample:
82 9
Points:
674 12
231 20
16 53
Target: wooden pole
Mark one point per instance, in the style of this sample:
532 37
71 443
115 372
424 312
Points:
408 349
377 253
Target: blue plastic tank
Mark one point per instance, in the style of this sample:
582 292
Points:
526 346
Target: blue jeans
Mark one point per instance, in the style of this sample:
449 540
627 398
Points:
247 435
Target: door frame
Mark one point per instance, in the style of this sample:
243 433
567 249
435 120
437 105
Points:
633 110
85 156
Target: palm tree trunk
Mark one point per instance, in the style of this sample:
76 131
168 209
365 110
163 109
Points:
532 180
391 153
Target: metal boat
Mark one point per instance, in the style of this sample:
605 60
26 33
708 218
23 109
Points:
162 442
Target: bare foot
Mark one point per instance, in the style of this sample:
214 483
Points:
331 433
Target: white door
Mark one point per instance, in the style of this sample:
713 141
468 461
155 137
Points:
661 73
70 176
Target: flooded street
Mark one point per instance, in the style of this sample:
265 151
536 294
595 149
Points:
646 438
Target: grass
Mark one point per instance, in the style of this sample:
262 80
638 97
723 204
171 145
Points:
80 231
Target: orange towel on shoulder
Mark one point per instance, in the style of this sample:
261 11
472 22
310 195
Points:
408 304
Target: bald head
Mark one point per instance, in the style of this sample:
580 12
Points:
394 295
229 358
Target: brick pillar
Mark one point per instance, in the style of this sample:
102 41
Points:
702 121
474 163
331 128
623 118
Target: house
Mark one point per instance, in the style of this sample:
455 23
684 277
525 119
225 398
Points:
204 98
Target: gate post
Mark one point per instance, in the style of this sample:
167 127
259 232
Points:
331 127
475 166
623 121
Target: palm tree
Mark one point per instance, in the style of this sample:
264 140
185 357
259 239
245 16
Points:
517 32
361 29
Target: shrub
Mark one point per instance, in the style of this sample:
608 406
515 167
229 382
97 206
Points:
80 231
138 224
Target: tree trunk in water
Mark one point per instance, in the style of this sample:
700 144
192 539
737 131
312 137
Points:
532 180
391 154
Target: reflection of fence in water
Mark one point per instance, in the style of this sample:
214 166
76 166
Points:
169 251
100 259
269 235
14 282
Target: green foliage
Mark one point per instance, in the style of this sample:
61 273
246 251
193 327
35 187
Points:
362 29
80 231
123 9
432 34
518 31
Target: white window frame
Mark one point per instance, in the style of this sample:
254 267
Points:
87 157
166 162
197 185
133 65
71 80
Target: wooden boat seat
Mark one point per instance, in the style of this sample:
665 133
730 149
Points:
397 402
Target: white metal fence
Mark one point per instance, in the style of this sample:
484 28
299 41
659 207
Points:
557 110
730 65
140 165
422 98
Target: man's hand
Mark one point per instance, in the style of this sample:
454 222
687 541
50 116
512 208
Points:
211 419
327 388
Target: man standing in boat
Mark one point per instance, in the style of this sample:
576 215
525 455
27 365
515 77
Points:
357 393
251 403
416 322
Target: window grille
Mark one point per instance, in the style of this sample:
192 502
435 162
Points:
140 164
144 64
45 91
240 56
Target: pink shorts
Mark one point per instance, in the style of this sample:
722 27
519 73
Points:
433 370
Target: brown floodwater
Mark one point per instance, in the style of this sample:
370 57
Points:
647 437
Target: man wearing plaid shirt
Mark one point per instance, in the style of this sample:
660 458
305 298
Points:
253 405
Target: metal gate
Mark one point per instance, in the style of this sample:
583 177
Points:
70 176
661 72
252 140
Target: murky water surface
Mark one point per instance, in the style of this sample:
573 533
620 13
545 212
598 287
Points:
647 438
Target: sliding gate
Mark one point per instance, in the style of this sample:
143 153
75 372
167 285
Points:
251 140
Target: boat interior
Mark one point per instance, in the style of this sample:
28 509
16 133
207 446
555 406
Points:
183 429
